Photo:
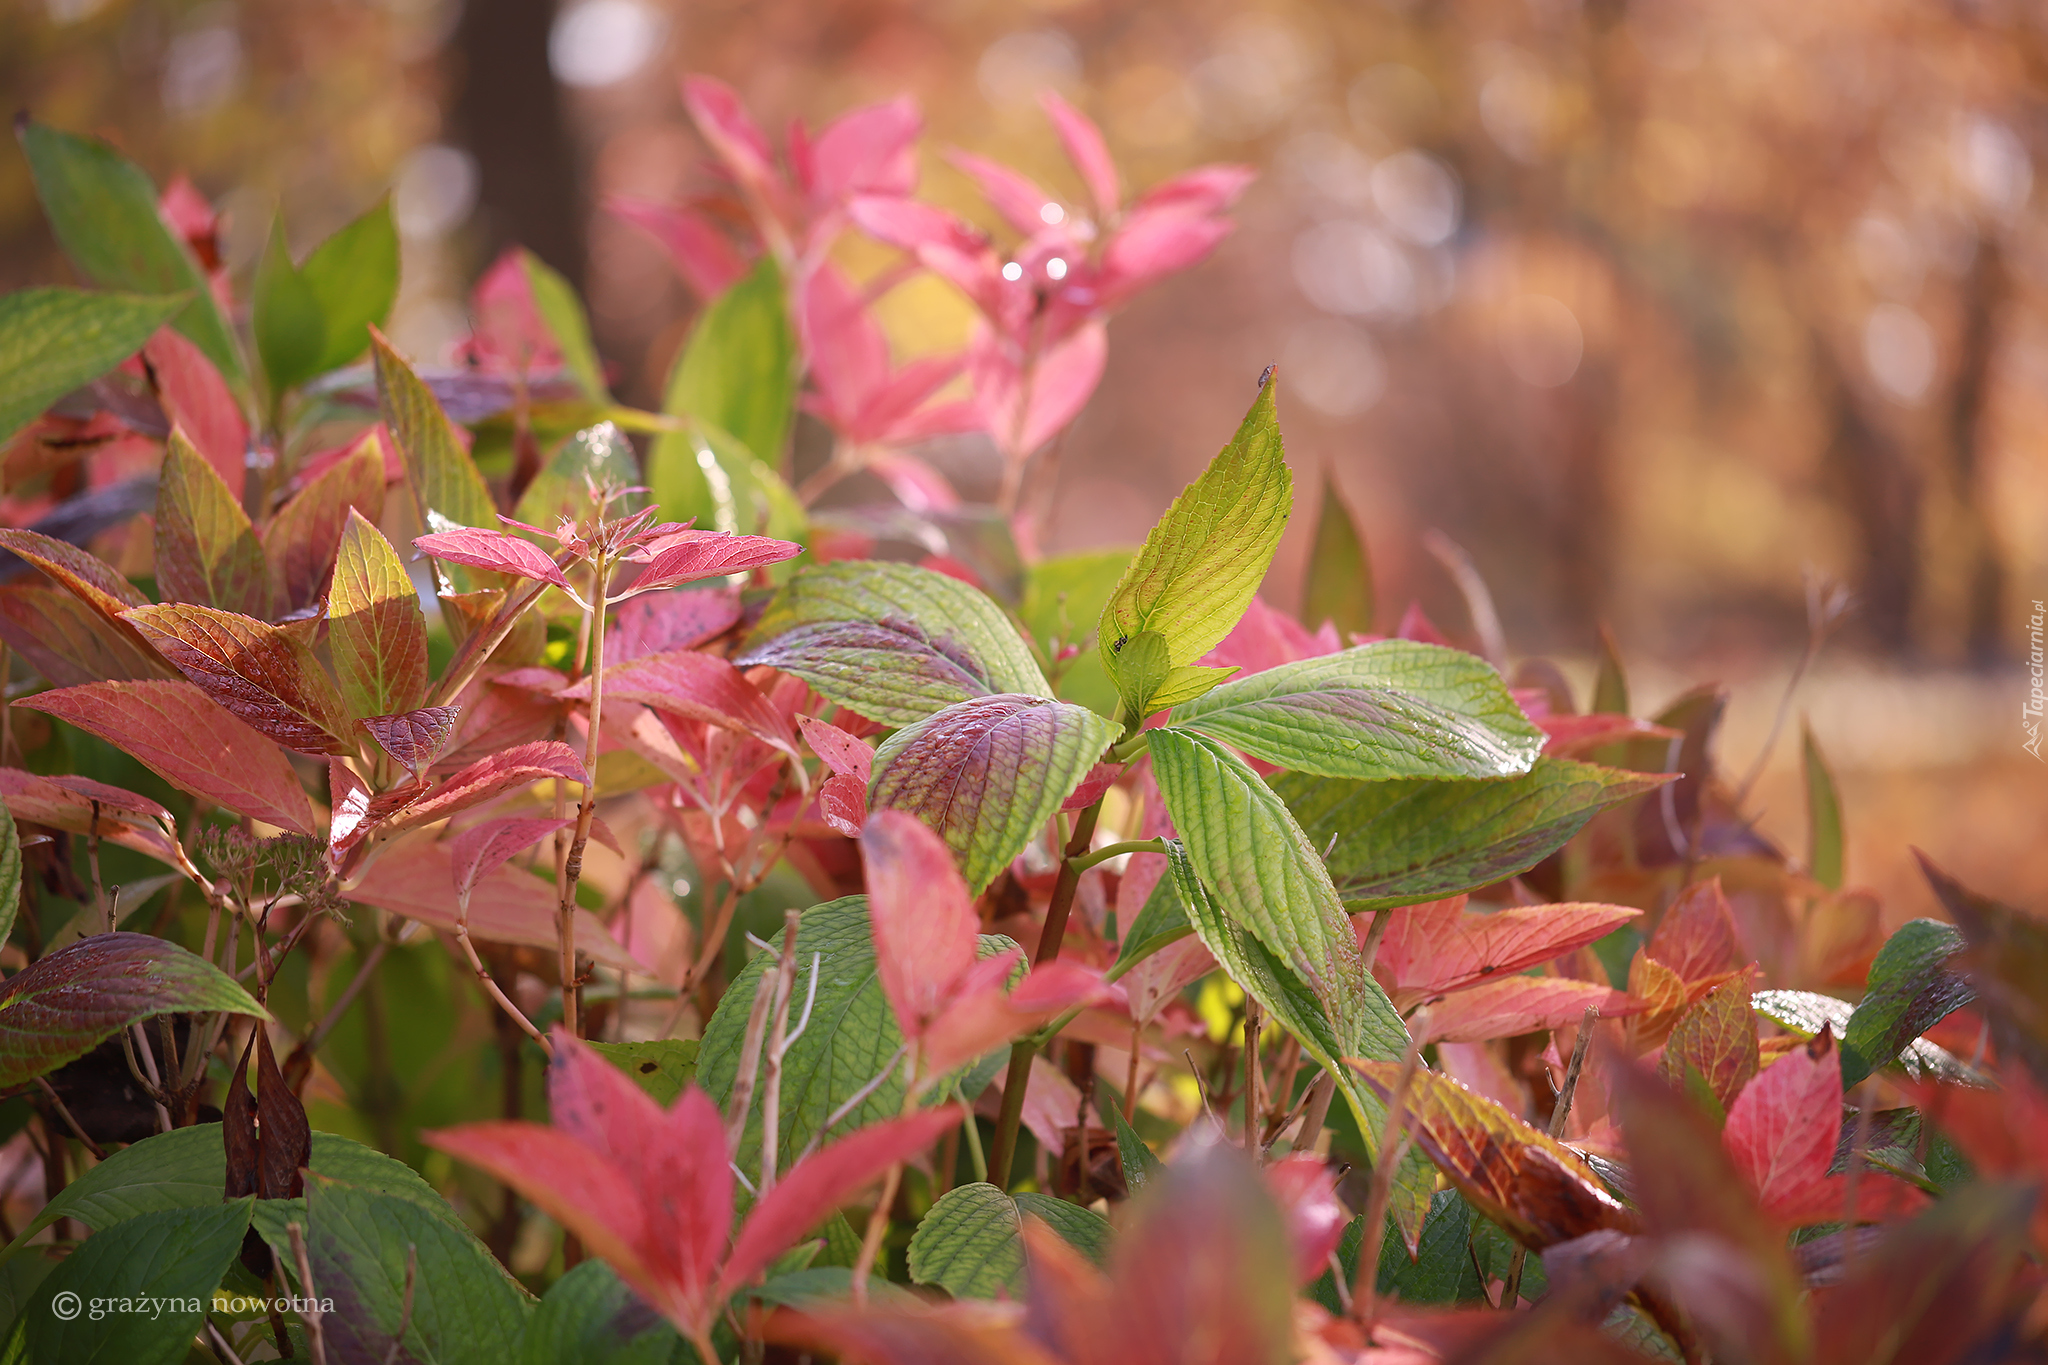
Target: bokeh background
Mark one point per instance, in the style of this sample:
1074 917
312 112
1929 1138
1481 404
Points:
1662 309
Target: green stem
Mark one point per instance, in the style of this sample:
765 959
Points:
1127 749
974 1152
477 648
1049 940
1108 851
565 926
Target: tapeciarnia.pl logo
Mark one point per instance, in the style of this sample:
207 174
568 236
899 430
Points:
2037 695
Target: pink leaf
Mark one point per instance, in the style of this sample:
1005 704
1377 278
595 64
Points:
842 753
477 852
1060 385
509 333
822 1182
1516 1005
1205 189
1782 1132
195 397
1011 193
724 122
1157 981
848 354
1307 1193
415 878
1437 947
1152 245
1417 626
1696 937
979 1016
870 150
656 622
185 738
66 803
676 1157
894 412
1086 149
922 916
1264 638
704 256
497 550
491 777
1100 779
686 556
704 687
1571 736
843 804
414 738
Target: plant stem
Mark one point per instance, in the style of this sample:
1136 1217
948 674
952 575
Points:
1252 1021
483 976
1049 940
771 1085
1108 851
974 1152
1393 1146
1559 1113
565 915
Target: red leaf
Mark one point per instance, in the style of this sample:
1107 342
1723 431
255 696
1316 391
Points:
196 398
979 1016
183 737
66 803
1574 736
1715 1037
658 622
1515 1005
842 753
1100 779
302 539
1086 149
415 878
1153 244
68 642
922 916
493 776
90 579
261 674
1264 638
822 1182
687 556
1696 937
475 853
414 738
510 335
1307 1191
1060 385
1440 946
843 804
500 551
1534 1186
1782 1133
699 686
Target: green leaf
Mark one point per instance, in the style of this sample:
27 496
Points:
555 299
1063 598
1141 673
55 340
445 484
1202 563
892 641
663 1068
598 453
738 371
10 871
353 276
376 630
1397 708
285 316
1442 1269
988 773
707 476
1338 588
1909 990
465 1307
1138 1161
103 210
1160 921
852 1034
1805 1013
590 1317
971 1243
62 1006
1610 684
1407 841
1368 1027
1265 875
207 552
187 1168
177 1254
1824 835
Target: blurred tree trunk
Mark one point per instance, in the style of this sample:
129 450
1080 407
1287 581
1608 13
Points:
1985 292
1881 490
508 113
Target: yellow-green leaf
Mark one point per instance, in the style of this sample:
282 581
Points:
375 626
206 550
1339 586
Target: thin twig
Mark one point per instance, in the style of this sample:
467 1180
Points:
483 977
974 1152
771 1083
316 1336
133 1040
63 1113
332 1019
1252 1021
1373 934
220 1345
565 927
854 1101
751 1044
1320 1092
871 1243
1202 1089
1393 1147
1560 1113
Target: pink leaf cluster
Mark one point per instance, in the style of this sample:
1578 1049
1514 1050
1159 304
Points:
946 998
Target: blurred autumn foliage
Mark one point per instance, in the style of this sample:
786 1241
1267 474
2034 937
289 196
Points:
1655 308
